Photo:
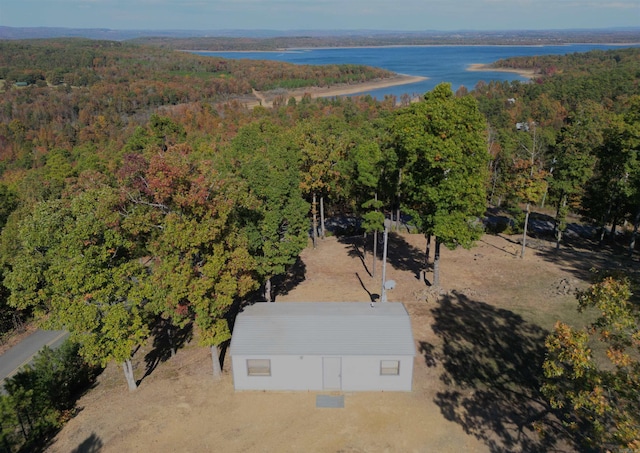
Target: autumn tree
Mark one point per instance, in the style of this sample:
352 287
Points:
528 182
198 258
440 146
323 145
597 393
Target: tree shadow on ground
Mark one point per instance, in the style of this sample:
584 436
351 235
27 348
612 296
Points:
492 361
400 254
167 339
92 444
581 257
283 284
361 248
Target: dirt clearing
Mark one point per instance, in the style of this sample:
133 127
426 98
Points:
476 378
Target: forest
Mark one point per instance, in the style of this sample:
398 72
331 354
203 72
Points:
278 39
316 39
138 194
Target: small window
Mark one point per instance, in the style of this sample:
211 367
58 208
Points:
389 367
258 367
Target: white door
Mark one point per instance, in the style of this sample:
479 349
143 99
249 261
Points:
331 373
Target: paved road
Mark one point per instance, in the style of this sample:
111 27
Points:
22 353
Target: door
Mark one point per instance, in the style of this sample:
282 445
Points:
331 373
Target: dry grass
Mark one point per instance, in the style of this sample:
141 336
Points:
476 380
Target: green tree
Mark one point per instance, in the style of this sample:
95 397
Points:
574 160
366 173
598 394
79 265
8 203
612 190
441 150
277 225
8 424
631 139
37 399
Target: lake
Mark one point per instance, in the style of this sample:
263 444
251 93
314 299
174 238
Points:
438 63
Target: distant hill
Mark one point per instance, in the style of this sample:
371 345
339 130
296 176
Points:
315 38
122 35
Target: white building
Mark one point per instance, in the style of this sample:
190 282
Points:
348 346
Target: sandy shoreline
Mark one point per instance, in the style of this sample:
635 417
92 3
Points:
265 98
528 73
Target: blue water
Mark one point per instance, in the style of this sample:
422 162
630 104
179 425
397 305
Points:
438 63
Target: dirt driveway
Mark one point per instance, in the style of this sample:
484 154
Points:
476 379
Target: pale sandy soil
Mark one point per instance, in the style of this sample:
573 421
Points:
265 98
477 347
529 73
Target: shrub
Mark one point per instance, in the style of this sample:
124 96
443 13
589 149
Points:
39 398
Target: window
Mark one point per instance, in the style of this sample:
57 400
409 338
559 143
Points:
258 367
389 367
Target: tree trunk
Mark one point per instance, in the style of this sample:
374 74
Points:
614 225
22 428
494 182
436 264
172 344
634 235
383 292
603 230
605 219
314 213
215 358
267 290
524 233
559 219
427 256
322 229
127 367
398 203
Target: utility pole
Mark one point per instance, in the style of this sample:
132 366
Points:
383 292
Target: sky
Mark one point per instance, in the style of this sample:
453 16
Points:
398 15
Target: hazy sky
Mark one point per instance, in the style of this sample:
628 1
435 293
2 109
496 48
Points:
322 14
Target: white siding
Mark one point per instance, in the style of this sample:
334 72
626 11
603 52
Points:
305 373
287 373
363 374
296 336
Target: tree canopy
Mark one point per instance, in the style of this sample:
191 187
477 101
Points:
441 163
597 393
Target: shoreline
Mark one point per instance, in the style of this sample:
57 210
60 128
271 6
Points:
483 67
307 49
265 98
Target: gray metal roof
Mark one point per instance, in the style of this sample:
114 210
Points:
323 328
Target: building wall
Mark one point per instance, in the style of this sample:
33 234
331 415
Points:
363 374
306 373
